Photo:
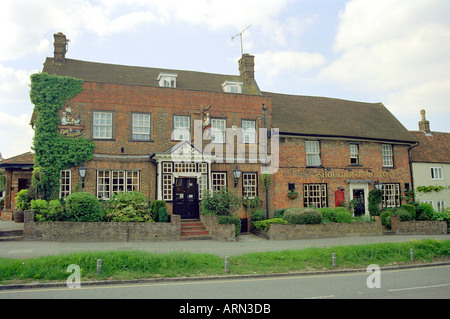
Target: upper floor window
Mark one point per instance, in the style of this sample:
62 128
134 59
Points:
232 87
218 130
102 125
168 80
436 173
312 153
141 127
181 128
248 131
354 154
387 155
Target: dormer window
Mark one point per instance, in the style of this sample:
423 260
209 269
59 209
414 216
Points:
232 87
167 80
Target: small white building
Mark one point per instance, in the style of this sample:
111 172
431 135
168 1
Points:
430 163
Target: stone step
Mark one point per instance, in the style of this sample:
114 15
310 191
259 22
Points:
193 229
11 233
11 238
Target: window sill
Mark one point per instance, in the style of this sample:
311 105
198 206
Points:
104 139
139 141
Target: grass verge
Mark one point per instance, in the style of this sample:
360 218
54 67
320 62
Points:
123 265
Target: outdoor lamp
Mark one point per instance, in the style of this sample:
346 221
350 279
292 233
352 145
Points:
378 186
82 170
236 174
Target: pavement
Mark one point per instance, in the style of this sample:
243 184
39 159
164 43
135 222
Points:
246 243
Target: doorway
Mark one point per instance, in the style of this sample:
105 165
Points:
185 201
360 207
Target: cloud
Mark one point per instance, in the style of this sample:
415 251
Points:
16 134
395 49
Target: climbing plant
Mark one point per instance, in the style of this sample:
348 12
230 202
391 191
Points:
54 152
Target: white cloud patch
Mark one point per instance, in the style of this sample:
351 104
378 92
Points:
396 49
16 134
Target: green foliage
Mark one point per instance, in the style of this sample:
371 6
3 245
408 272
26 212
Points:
265 224
375 197
342 215
424 211
404 215
155 206
163 217
226 219
128 207
303 216
328 214
430 188
47 211
386 217
258 215
411 209
23 200
53 152
2 181
83 207
278 213
222 203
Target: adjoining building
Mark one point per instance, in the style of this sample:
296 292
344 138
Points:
431 166
330 151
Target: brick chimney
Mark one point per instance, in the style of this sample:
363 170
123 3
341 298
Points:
60 48
247 67
424 125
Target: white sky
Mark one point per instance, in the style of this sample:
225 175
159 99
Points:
392 51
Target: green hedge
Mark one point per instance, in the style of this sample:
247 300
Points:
83 207
303 216
265 224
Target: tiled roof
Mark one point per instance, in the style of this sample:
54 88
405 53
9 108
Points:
134 75
433 148
22 159
329 117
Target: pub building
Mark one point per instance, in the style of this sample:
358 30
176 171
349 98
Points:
326 150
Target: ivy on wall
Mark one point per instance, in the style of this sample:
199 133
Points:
53 152
431 188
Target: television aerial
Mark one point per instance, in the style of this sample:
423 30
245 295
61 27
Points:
240 35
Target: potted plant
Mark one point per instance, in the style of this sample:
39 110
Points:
292 194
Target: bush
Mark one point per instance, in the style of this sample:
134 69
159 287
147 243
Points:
328 214
342 215
128 207
155 206
163 217
404 215
424 211
222 203
265 224
83 207
386 218
303 216
411 209
23 201
278 213
47 211
40 208
231 220
258 215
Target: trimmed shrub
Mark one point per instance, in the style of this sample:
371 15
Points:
386 218
47 211
231 220
265 224
128 207
404 215
278 213
303 216
258 215
83 207
342 215
328 214
23 200
411 209
155 206
163 217
424 211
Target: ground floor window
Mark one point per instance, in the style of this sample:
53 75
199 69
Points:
219 181
249 185
315 195
113 182
65 184
391 195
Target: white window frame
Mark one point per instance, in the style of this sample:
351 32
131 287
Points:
391 195
141 126
218 181
111 182
436 173
440 205
312 149
232 87
387 154
315 195
181 128
354 154
249 185
167 80
102 125
218 130
248 131
65 188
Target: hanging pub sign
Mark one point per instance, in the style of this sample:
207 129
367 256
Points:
70 124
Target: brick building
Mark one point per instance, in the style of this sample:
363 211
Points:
139 117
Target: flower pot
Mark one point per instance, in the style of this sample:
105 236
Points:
292 195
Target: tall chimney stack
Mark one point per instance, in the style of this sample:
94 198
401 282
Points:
60 48
247 67
424 125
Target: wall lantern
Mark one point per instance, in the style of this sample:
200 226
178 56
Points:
378 186
236 174
82 170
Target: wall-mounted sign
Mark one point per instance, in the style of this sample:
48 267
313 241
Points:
70 124
354 174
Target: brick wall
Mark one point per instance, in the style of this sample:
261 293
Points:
426 227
